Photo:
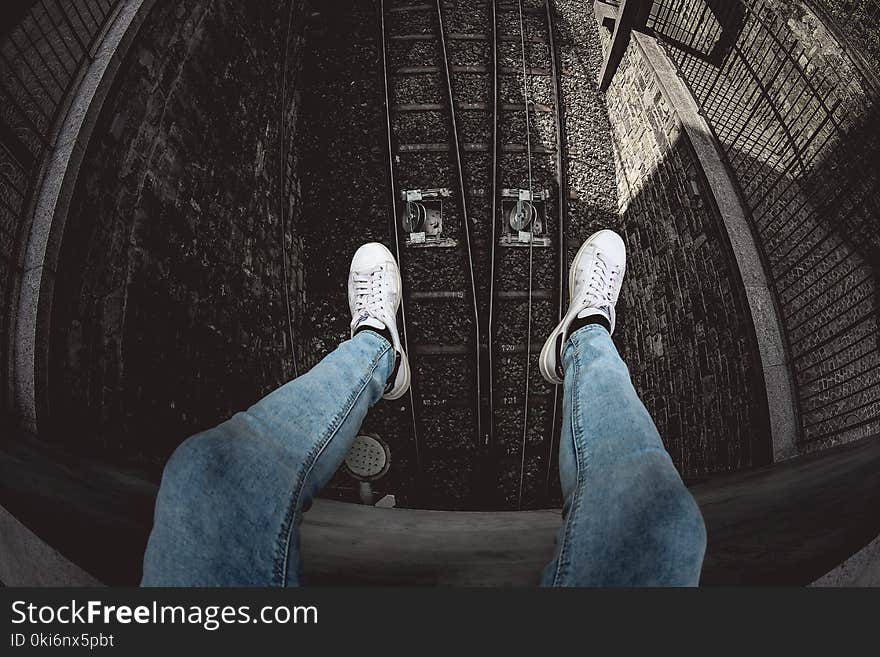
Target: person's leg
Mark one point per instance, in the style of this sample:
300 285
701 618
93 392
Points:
232 498
628 519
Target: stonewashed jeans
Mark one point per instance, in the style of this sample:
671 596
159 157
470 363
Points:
232 498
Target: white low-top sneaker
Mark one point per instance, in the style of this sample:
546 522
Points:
374 291
594 282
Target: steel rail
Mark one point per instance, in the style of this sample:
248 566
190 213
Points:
528 356
562 209
465 219
395 232
490 328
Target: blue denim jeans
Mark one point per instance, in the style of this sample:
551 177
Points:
628 519
232 498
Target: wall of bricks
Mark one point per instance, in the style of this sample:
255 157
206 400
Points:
687 334
170 312
797 119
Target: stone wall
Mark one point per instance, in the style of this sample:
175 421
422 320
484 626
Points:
797 119
688 336
169 312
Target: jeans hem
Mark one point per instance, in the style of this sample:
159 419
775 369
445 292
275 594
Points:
376 333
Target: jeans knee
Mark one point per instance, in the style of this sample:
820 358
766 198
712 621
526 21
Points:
673 505
186 466
690 520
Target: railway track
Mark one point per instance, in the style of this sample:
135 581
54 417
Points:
476 173
528 264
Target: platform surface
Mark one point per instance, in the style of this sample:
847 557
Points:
784 524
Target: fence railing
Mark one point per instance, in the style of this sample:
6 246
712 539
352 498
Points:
41 56
797 119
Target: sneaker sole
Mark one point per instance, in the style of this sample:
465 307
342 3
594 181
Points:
547 360
405 383
404 359
549 352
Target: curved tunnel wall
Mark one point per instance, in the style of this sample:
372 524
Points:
685 283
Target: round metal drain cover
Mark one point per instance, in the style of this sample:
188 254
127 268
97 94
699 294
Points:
368 459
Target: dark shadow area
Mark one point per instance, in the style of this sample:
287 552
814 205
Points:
96 514
789 524
169 310
818 233
11 13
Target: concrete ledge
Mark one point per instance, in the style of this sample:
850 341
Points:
778 382
29 561
52 201
349 543
861 569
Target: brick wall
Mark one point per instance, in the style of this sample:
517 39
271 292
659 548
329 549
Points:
169 313
687 334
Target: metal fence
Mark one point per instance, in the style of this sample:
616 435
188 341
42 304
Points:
41 55
795 111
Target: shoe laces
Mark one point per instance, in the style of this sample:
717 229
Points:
599 285
369 291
